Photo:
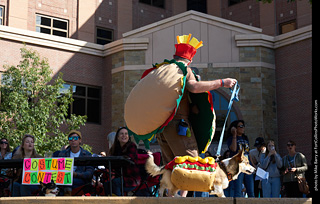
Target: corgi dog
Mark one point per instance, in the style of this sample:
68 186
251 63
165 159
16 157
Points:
49 189
191 180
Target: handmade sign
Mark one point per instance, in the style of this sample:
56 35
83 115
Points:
60 170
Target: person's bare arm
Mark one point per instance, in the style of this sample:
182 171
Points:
203 86
233 146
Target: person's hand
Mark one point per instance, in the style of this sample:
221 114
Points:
272 152
290 171
229 82
234 131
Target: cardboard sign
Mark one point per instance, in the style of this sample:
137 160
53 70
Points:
45 169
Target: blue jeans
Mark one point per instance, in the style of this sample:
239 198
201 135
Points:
116 187
202 194
248 183
271 187
23 190
229 192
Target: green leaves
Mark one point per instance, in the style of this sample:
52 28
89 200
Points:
31 103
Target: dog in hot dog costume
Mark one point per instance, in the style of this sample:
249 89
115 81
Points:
197 174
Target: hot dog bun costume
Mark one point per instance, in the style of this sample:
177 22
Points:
193 173
153 102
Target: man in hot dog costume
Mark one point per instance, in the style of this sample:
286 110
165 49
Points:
169 101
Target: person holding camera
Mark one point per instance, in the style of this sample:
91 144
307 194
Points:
271 162
295 165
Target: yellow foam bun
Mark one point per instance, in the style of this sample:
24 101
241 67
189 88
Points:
207 160
192 180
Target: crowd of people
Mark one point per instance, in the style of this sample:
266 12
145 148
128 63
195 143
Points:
283 172
281 182
82 175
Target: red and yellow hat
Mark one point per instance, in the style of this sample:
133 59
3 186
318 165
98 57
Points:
187 48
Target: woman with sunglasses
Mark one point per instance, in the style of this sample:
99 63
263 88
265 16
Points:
5 153
295 165
237 140
26 150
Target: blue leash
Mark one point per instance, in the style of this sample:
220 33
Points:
234 97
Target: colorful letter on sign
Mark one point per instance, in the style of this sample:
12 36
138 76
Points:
60 170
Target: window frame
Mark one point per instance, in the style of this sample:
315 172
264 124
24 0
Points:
231 3
152 4
0 91
86 98
101 38
2 17
51 27
287 23
194 5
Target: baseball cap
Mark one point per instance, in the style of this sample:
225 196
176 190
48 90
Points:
259 142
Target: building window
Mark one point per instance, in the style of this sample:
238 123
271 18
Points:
287 27
1 15
87 101
156 3
232 2
104 36
51 25
197 5
1 108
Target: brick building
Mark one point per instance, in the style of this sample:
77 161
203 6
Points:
103 47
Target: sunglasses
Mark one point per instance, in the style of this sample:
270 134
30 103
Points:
70 138
3 142
289 145
241 126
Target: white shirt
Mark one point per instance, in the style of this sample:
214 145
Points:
256 155
74 155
